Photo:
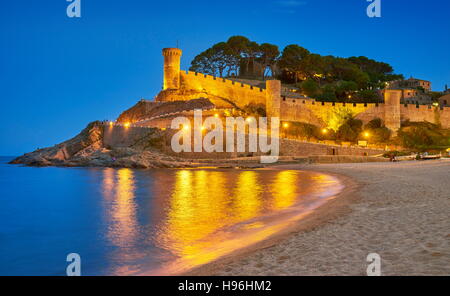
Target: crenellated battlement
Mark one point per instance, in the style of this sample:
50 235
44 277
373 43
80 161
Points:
188 85
200 76
172 52
241 94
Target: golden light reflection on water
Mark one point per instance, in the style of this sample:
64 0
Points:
247 196
215 212
123 212
204 214
119 190
284 189
196 210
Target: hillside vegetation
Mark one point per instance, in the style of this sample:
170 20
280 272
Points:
423 136
326 78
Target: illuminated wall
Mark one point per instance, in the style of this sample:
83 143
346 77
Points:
310 111
240 93
186 85
426 113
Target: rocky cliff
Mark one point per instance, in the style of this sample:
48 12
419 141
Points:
87 149
89 139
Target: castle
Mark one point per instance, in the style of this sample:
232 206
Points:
224 93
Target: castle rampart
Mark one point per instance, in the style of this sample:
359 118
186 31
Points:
239 93
225 93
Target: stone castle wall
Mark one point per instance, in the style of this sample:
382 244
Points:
242 94
310 111
445 117
426 113
134 137
186 85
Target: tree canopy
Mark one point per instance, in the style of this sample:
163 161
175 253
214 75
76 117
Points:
226 58
327 78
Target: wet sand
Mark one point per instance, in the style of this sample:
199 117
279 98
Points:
399 210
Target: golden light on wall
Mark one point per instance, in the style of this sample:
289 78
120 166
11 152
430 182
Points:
338 116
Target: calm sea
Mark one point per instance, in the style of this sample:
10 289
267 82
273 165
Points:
124 221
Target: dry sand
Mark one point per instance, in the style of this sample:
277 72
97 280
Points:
399 210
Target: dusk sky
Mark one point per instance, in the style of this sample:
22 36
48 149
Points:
57 74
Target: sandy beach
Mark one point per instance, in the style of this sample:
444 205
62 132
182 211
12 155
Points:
399 210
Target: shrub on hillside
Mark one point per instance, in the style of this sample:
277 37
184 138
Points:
350 130
378 132
302 130
310 88
256 110
374 124
423 136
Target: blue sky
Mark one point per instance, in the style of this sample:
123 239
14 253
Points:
57 74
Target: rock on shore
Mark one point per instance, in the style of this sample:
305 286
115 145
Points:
86 149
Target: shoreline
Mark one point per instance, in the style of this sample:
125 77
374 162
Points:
397 210
277 224
331 209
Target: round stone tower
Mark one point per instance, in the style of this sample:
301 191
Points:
172 58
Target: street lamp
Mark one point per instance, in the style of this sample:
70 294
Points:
285 127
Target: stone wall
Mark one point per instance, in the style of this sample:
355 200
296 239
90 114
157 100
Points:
122 137
444 117
239 93
186 85
310 111
419 113
116 136
299 148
